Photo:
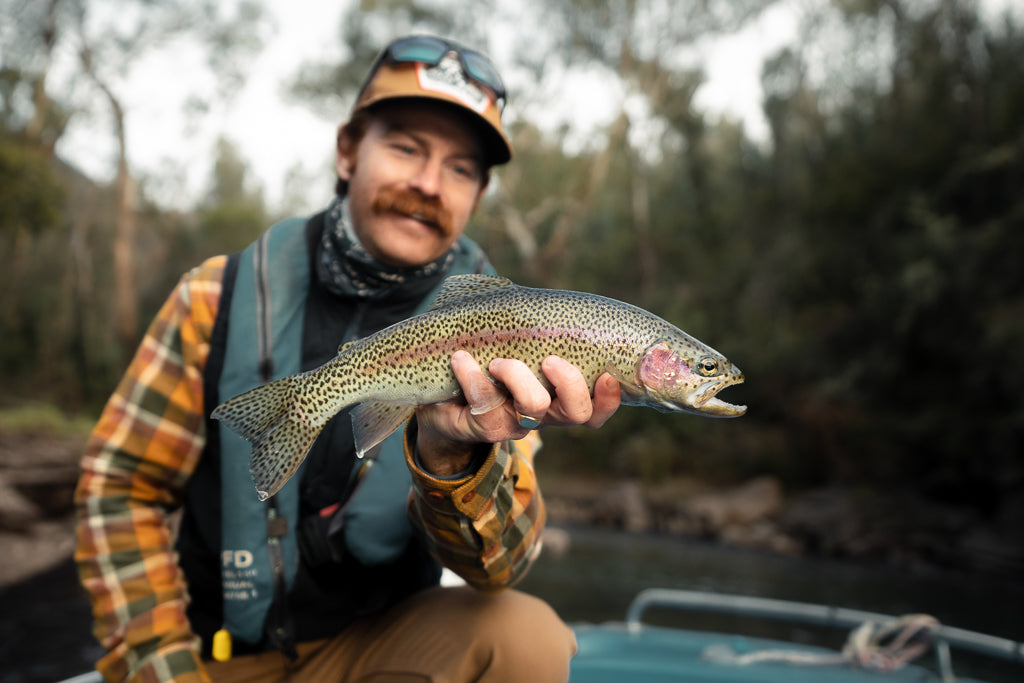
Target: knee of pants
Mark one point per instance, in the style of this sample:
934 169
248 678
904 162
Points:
520 636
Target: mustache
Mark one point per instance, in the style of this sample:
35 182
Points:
426 209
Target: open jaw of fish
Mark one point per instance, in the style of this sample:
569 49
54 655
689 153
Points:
392 371
671 383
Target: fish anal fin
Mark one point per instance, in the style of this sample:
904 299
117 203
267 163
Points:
373 421
458 287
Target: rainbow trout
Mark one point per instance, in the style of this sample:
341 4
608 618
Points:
407 364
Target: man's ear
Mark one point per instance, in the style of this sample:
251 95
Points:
346 154
483 189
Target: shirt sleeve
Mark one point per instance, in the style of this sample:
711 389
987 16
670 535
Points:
136 464
485 527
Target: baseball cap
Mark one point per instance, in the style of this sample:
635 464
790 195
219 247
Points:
440 69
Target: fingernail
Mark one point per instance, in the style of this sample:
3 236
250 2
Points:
547 362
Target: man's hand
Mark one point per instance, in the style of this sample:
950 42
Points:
449 432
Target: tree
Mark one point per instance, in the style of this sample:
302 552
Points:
111 35
29 33
894 202
233 213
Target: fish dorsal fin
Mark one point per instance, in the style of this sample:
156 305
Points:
345 346
459 287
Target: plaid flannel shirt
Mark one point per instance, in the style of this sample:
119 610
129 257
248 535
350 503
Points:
145 447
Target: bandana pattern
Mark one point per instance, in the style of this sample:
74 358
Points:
345 268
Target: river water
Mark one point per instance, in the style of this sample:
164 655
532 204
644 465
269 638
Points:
44 621
602 571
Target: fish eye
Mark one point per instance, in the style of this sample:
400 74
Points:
707 366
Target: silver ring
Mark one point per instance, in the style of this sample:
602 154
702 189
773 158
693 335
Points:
527 422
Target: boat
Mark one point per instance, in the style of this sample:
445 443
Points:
879 649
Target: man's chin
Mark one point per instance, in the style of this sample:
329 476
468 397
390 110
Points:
407 253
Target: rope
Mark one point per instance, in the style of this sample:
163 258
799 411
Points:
892 645
880 647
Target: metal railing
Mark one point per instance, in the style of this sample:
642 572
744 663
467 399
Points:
823 615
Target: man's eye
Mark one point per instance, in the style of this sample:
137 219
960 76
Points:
467 171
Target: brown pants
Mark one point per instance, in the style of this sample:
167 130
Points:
443 635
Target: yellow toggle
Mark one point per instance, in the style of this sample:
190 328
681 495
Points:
222 645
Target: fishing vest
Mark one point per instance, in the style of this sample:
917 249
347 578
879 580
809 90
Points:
264 331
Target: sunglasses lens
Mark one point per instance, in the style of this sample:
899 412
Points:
426 50
481 69
431 51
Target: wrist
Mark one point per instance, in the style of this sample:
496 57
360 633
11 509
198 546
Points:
443 458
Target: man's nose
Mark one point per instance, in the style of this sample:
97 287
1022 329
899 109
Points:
427 178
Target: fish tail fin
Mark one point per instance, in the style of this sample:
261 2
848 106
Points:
271 417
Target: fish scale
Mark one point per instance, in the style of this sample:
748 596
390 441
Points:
407 364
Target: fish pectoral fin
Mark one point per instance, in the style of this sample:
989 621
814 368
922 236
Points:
373 421
458 287
628 385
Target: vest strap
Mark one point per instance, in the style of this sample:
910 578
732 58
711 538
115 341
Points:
258 540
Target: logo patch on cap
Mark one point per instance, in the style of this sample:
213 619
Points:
447 77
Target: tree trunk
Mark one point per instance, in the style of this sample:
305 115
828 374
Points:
126 227
46 125
126 298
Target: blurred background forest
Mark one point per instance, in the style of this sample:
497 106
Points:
861 262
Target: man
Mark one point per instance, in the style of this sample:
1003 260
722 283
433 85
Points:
335 578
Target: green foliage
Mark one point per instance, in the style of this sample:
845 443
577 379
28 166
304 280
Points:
42 420
233 213
31 218
863 271
30 195
862 266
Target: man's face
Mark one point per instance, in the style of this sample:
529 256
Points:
414 180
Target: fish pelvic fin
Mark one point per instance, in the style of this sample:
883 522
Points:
374 421
281 433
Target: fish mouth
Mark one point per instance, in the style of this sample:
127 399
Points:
716 407
707 402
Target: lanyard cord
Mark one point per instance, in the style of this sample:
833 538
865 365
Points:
280 627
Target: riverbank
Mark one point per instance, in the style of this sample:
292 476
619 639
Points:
38 472
891 527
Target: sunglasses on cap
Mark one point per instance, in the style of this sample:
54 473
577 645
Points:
430 51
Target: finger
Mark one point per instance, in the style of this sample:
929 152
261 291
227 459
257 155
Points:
529 397
574 403
607 399
482 396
